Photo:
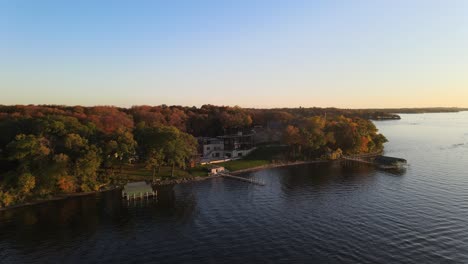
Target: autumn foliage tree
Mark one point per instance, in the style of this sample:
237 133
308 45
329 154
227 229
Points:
26 182
292 137
66 183
317 136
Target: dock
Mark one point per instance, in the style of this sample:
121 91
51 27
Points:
249 180
140 195
138 190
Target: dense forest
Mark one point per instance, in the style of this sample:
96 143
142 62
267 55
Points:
47 150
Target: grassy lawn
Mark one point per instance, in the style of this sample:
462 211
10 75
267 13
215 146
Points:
137 172
263 155
242 164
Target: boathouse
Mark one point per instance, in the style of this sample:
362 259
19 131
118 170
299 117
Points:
138 190
216 169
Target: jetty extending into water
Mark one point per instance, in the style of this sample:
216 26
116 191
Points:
381 162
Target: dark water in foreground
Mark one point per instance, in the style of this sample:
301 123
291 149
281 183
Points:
312 213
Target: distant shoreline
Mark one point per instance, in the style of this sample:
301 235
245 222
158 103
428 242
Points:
428 110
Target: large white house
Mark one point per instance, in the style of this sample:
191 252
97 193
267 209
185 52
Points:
225 147
212 148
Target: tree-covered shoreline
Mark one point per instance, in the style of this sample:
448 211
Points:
46 150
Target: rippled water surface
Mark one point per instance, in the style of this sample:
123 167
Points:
323 213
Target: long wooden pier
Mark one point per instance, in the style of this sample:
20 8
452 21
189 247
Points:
249 180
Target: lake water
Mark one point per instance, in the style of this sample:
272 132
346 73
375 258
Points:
323 213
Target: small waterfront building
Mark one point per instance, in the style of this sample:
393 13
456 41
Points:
216 169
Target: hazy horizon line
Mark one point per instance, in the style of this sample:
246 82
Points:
222 105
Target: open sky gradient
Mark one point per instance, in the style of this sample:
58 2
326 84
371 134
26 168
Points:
251 53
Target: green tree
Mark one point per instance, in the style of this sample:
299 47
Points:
119 149
75 143
86 169
27 149
6 198
292 137
312 133
168 144
31 153
26 182
180 149
154 160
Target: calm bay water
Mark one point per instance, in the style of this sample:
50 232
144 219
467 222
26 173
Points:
323 213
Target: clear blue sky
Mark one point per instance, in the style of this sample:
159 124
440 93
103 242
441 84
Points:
252 53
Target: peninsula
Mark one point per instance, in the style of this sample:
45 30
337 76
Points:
50 150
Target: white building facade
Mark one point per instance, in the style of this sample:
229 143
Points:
225 147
